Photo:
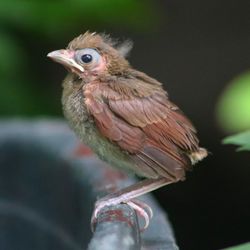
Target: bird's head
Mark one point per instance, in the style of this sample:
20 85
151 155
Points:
91 55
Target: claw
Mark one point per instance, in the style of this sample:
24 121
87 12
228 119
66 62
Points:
128 195
93 223
141 212
98 207
145 206
140 207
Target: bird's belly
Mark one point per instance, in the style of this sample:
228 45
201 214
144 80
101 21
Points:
84 126
106 150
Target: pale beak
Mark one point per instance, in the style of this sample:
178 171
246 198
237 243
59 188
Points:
66 58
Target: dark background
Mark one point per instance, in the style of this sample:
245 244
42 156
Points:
194 47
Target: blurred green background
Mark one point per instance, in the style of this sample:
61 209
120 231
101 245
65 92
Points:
200 50
30 29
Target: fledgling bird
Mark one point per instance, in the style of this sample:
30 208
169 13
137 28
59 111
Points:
125 117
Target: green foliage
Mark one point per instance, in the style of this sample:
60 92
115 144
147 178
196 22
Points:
53 18
27 30
240 247
242 140
233 110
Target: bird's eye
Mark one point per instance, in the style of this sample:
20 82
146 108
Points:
88 56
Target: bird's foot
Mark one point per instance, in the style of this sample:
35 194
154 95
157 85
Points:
141 208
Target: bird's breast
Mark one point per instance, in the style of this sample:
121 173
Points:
84 126
76 113
82 122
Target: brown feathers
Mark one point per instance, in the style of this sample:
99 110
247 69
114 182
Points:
127 108
139 117
126 118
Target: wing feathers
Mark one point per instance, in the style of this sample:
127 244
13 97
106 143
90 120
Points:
146 124
174 168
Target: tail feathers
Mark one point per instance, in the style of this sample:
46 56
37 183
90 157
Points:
164 164
198 155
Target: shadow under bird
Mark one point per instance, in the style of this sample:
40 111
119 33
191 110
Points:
125 117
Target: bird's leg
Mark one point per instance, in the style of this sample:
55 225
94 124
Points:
128 194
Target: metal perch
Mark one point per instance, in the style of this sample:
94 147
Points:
49 182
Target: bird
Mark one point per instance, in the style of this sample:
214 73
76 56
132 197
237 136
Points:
126 118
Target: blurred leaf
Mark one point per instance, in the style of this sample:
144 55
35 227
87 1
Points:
27 27
17 97
57 17
240 247
233 109
12 56
242 140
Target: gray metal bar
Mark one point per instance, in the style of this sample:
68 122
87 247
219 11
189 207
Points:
116 228
49 148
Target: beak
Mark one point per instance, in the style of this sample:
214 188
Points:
66 58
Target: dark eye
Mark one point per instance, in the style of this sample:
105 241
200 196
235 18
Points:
86 58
